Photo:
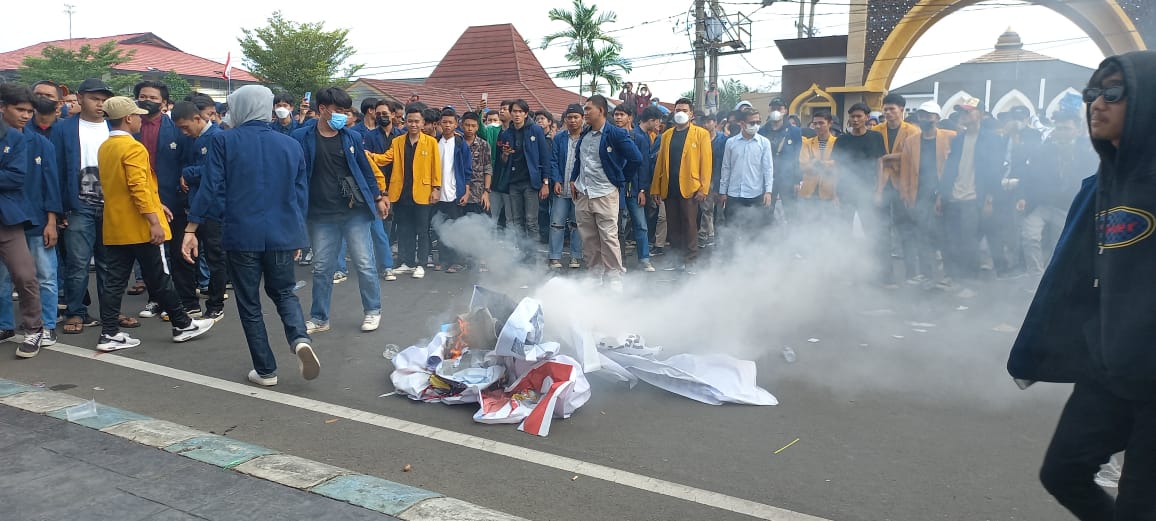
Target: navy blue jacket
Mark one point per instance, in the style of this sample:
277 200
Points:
645 174
355 158
990 149
787 143
463 166
65 139
558 158
194 170
13 172
255 184
372 140
42 185
620 156
537 156
172 146
285 129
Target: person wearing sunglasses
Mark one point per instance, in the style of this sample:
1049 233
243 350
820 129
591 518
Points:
1091 320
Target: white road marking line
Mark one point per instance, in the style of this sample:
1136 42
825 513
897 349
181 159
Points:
570 465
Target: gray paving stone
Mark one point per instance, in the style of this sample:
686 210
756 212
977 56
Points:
154 433
192 488
283 504
117 455
450 509
218 450
106 416
9 388
41 401
373 493
173 515
290 470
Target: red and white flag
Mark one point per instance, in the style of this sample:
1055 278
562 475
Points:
228 74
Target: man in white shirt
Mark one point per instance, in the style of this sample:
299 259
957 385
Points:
747 177
457 169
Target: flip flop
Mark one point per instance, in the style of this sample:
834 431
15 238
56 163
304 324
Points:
137 289
73 326
128 322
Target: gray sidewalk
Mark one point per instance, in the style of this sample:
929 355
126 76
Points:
56 470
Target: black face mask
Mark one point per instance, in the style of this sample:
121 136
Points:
383 121
151 106
43 105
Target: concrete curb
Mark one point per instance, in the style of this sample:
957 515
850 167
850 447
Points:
387 497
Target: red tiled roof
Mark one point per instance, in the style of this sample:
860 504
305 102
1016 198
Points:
152 53
489 59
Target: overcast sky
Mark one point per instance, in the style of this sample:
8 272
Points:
653 34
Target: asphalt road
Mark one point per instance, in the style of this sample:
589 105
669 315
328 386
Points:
927 426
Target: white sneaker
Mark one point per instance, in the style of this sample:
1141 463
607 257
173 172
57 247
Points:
307 361
419 272
339 277
647 266
195 329
389 276
371 322
264 381
116 342
313 327
404 268
152 309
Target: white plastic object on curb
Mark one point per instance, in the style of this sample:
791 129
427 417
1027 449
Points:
962 308
789 355
898 337
81 411
391 351
921 325
813 340
919 330
299 286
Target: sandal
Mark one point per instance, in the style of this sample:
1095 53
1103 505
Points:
137 288
128 322
456 268
73 326
437 267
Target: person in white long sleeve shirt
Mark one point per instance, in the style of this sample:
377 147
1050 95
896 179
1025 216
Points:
747 176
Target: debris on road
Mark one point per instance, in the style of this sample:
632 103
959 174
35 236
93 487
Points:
331 420
1005 328
813 340
787 446
921 325
407 468
496 356
789 355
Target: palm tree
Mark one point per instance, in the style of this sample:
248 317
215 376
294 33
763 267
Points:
583 32
601 64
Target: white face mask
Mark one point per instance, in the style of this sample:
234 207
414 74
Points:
493 125
282 112
681 118
776 116
753 128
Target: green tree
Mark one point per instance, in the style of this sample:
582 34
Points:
300 57
602 64
178 86
69 67
583 35
730 93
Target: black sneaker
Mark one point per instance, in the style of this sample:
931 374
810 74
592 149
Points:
30 347
5 334
216 315
657 252
89 321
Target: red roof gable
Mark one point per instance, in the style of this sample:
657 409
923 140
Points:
152 54
489 59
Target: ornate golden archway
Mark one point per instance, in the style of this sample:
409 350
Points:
1105 22
813 98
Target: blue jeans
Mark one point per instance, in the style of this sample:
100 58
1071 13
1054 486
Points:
326 237
561 217
46 263
82 241
246 269
638 219
381 249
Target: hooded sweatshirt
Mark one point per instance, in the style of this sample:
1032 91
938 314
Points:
1092 315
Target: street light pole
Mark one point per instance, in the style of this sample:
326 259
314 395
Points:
69 9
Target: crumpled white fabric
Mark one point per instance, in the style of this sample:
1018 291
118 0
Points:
411 374
550 389
711 379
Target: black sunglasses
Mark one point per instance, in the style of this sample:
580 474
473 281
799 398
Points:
1111 94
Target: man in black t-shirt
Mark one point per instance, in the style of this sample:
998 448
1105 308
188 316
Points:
857 154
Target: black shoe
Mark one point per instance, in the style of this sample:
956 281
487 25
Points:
216 315
657 252
5 334
90 322
30 347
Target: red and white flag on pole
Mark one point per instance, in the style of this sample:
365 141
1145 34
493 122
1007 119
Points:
228 74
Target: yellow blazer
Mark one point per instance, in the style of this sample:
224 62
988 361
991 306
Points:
909 163
890 171
427 167
130 191
697 165
819 172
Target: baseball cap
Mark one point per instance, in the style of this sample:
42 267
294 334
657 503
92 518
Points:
93 85
930 107
744 103
1020 112
118 107
573 108
968 104
777 102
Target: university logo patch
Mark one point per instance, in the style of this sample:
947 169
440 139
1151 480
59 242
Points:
173 145
1124 226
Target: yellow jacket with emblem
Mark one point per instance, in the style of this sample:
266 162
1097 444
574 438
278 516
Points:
697 164
890 173
819 174
427 167
130 191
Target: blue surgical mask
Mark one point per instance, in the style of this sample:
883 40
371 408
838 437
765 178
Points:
337 120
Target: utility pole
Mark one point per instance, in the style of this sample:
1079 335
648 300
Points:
715 11
802 13
699 52
69 9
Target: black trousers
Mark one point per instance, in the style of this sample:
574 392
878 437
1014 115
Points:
184 275
155 269
1095 425
447 256
413 240
209 239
